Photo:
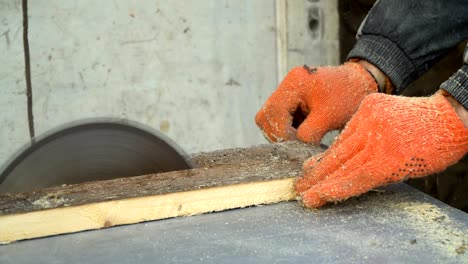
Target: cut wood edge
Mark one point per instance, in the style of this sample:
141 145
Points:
135 210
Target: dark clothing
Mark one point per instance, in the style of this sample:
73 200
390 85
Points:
404 38
457 84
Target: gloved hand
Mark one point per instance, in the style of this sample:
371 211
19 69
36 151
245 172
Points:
321 98
388 140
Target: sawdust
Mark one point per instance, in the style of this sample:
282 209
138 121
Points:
46 202
288 151
435 227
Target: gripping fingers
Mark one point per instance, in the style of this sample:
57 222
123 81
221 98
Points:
332 161
263 124
314 128
275 119
311 199
311 162
351 179
338 188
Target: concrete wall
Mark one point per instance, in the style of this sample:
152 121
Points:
13 109
195 70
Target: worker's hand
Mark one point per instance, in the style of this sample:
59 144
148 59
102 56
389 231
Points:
388 140
312 101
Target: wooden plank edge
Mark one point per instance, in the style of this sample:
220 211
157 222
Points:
135 210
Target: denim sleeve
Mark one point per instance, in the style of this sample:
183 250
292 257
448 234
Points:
404 38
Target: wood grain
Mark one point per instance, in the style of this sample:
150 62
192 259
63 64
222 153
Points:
224 180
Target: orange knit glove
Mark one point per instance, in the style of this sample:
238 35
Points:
312 101
388 140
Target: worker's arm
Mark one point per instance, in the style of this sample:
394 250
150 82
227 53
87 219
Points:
457 87
399 39
461 111
311 101
389 139
405 38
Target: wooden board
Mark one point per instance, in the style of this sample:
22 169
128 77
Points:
224 180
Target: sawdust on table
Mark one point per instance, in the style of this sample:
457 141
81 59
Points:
434 225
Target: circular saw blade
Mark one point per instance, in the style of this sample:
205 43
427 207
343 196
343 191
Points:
88 151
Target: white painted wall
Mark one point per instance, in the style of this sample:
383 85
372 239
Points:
195 70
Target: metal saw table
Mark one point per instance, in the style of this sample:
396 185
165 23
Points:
398 224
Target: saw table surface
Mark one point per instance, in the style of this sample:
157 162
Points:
398 224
